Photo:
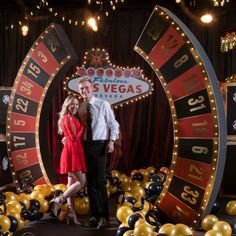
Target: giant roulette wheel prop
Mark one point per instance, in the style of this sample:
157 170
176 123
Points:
197 110
47 61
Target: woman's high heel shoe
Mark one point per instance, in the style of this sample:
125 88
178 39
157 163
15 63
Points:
72 215
56 204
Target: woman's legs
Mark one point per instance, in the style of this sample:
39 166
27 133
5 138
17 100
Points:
76 181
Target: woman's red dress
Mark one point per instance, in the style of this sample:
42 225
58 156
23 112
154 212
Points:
72 156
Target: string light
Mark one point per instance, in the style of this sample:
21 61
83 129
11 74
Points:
218 3
98 7
228 41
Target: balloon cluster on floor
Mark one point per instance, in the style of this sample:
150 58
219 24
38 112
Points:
17 210
137 212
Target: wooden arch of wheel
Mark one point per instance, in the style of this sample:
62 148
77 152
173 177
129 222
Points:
196 105
31 97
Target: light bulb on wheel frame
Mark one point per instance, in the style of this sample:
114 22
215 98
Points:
24 30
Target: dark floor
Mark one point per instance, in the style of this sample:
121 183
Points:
50 226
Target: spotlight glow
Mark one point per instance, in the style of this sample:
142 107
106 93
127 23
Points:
206 18
92 23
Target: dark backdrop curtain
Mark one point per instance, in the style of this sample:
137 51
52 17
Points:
146 126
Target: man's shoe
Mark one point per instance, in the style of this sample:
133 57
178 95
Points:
92 223
103 223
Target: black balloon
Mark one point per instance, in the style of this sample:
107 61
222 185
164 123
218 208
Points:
2 196
38 215
25 214
115 181
108 175
34 204
154 188
132 219
137 176
155 178
32 214
216 207
14 223
57 193
152 218
130 199
121 230
23 206
234 228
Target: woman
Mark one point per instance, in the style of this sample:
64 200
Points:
72 157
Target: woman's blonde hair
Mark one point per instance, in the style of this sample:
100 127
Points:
64 110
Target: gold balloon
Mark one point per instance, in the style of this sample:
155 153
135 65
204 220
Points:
21 225
113 189
136 183
108 184
64 207
123 225
144 172
138 192
36 195
44 189
127 187
128 233
223 227
165 169
23 195
231 208
154 234
143 230
124 179
44 205
81 206
14 206
166 228
151 170
181 230
10 196
123 213
61 187
115 173
208 222
17 215
140 221
213 232
24 200
145 180
5 223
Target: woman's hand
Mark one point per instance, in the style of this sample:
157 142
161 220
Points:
64 140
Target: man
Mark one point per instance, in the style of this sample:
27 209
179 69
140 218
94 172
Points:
105 130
